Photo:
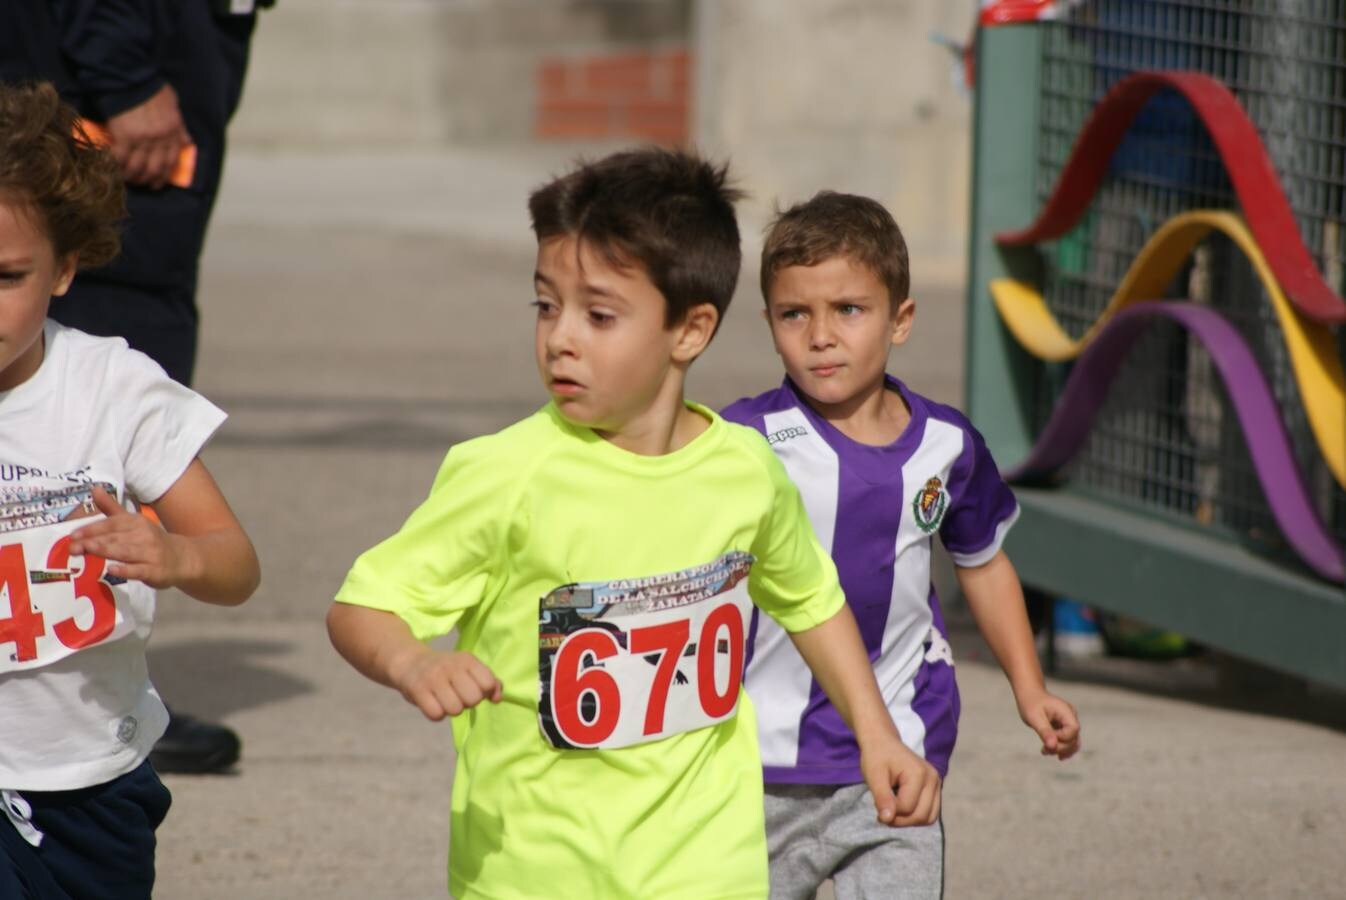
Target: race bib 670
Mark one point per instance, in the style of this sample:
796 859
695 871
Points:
53 604
636 660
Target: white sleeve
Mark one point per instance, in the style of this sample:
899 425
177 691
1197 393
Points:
164 425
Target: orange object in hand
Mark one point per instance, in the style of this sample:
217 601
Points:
183 170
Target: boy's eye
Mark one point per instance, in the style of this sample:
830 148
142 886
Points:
791 315
544 308
600 317
11 277
849 309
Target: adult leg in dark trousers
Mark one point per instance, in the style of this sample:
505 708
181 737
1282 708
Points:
148 295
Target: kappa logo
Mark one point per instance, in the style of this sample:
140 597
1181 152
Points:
929 504
785 434
937 648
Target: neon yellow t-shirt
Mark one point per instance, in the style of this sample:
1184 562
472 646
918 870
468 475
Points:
545 512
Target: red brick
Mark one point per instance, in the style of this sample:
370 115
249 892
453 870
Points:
677 72
656 111
574 118
552 78
618 76
575 106
661 120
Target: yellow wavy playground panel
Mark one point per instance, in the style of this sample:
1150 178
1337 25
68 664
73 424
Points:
1313 352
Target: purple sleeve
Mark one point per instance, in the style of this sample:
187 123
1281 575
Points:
744 412
981 506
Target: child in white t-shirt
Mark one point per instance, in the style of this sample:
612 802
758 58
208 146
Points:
89 429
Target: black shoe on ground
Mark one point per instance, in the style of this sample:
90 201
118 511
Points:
191 746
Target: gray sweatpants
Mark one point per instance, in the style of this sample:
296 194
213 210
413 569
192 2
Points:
816 832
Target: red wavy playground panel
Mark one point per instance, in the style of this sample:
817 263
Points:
1250 171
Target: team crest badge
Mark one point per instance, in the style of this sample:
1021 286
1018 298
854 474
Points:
928 505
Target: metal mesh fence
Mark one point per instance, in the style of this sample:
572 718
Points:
1167 438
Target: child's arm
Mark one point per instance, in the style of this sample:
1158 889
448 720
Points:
837 656
997 602
200 548
382 648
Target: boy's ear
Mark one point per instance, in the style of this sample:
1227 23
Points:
65 273
902 320
695 331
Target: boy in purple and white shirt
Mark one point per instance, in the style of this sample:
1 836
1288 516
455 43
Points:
881 470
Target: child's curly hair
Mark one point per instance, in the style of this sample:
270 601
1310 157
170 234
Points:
49 165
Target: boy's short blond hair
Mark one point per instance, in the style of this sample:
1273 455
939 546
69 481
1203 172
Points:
833 224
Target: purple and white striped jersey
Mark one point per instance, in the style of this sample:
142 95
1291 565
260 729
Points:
875 509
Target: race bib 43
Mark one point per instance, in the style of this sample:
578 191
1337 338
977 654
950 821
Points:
636 660
53 604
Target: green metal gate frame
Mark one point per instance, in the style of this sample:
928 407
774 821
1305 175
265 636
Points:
1077 545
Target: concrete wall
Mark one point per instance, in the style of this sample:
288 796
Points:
398 73
845 94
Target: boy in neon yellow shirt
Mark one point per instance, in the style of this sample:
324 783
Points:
599 560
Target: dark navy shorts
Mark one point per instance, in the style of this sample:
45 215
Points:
97 842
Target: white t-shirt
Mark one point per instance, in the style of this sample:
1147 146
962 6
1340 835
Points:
95 412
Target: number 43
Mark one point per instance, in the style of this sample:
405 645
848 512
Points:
25 625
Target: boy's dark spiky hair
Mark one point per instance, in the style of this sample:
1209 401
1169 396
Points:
667 211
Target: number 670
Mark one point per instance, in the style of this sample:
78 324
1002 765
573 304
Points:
571 682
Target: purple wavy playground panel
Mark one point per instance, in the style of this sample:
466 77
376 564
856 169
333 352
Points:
1268 445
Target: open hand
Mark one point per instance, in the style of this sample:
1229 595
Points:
917 797
147 138
1055 722
444 684
136 547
